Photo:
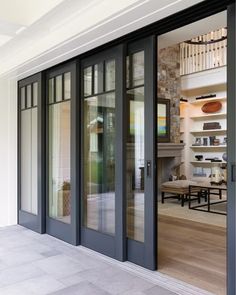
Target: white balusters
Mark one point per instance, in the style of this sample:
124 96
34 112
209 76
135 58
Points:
200 57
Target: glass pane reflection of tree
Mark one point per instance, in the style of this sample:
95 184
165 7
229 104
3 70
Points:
99 163
59 161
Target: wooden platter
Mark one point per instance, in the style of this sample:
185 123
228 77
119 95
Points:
212 107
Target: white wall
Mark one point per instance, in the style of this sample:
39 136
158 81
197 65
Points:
8 151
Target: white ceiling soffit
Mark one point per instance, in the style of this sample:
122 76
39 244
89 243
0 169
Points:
76 26
16 16
193 30
25 12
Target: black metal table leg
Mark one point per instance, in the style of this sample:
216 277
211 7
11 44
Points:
220 193
189 193
208 199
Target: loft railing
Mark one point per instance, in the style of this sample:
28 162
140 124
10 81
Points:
204 52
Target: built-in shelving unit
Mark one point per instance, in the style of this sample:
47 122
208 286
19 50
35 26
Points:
193 119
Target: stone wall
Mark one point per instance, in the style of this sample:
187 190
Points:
169 85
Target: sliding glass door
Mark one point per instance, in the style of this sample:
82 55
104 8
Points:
29 154
140 153
101 200
60 198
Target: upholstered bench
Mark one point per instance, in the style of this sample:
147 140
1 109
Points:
179 189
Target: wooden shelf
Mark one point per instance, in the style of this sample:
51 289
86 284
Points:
212 131
200 101
206 162
208 147
211 116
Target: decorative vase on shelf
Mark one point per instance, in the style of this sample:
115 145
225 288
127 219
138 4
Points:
224 157
216 174
199 157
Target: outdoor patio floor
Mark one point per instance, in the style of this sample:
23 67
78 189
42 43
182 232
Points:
31 263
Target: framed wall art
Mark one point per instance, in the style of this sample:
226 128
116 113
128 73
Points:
163 120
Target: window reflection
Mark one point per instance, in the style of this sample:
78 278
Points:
135 165
59 161
138 68
29 154
135 147
35 94
29 96
110 75
59 88
99 163
67 85
88 81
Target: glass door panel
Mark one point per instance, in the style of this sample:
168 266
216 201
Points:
26 166
140 154
99 157
30 171
59 161
135 165
61 200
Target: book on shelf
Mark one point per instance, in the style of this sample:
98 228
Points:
205 96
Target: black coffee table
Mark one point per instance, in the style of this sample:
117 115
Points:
207 190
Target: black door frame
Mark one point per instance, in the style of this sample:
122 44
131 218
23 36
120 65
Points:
231 148
26 219
67 232
113 246
184 17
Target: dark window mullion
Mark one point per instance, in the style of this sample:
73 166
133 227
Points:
105 92
92 82
32 95
63 87
26 98
130 72
60 101
104 76
135 87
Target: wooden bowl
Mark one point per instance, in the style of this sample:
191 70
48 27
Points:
211 107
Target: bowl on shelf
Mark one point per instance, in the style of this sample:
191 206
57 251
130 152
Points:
211 107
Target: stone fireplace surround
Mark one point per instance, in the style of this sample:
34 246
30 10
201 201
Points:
169 156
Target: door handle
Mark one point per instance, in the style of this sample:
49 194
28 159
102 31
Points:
233 174
149 168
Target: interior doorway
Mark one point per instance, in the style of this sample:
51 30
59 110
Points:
192 159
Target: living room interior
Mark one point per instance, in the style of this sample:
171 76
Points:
192 158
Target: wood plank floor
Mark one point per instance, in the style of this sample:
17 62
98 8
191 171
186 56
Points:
193 252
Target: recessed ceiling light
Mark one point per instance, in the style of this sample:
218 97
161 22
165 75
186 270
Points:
21 29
